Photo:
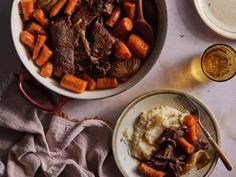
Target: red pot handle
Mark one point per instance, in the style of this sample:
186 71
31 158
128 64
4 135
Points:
61 102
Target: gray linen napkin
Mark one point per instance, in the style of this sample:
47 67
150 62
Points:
35 143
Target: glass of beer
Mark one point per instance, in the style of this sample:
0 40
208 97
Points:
218 62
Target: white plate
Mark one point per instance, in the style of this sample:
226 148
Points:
219 15
128 164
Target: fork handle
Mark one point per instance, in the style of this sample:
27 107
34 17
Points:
220 153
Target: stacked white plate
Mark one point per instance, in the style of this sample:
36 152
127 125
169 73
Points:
219 15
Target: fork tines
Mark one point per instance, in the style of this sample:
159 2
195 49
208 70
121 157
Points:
187 103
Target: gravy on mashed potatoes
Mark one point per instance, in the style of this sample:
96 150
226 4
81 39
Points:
149 127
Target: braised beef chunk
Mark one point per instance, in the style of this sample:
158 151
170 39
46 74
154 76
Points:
108 8
169 157
201 144
63 40
82 50
91 9
81 43
85 15
169 136
102 41
100 68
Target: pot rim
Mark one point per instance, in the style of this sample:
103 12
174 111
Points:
52 85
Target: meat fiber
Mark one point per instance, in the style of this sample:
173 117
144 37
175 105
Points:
81 44
169 157
102 43
63 41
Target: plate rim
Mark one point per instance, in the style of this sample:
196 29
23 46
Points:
220 31
157 92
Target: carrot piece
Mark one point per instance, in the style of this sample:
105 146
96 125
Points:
107 82
192 134
189 120
40 16
28 39
113 17
149 171
70 6
129 9
123 27
73 83
46 70
185 145
138 46
91 82
44 56
27 7
39 44
122 51
192 128
36 29
55 10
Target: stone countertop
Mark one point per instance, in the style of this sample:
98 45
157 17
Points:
187 37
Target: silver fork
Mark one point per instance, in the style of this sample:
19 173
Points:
193 109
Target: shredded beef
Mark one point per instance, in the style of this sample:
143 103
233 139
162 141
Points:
102 41
169 158
81 43
63 39
202 144
101 48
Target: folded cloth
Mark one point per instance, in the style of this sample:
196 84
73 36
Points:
35 143
2 169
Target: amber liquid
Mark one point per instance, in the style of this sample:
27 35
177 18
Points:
196 70
218 62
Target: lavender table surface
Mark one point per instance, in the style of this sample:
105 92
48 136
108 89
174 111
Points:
187 38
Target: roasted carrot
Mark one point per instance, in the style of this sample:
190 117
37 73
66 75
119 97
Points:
138 46
55 10
185 145
192 134
113 17
73 83
39 44
189 120
46 70
40 16
149 171
36 29
71 4
129 8
44 56
122 51
91 82
123 27
28 39
107 82
192 128
27 7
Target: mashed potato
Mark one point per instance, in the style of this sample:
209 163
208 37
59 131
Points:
148 128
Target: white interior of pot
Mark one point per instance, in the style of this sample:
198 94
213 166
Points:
50 83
